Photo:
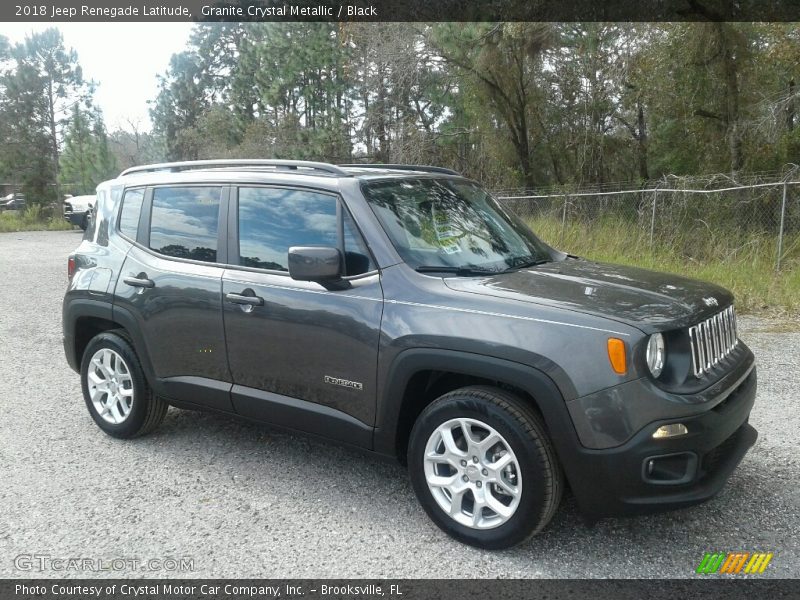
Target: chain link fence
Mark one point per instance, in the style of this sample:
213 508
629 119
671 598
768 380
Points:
705 219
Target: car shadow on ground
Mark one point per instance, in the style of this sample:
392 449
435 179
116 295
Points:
253 450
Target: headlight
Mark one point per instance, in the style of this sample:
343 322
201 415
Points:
656 354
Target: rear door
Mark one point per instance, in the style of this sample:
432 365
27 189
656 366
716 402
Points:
304 356
171 285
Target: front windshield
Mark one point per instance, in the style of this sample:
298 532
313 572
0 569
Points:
451 224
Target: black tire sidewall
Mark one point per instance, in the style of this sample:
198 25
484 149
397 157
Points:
532 504
141 391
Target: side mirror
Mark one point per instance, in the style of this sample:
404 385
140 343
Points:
308 263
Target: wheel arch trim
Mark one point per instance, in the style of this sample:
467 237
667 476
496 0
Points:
547 396
129 323
74 310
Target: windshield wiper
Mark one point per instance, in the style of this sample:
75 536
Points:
460 271
524 264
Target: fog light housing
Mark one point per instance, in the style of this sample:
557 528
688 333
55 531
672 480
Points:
670 469
671 430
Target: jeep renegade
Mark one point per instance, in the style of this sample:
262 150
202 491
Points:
403 310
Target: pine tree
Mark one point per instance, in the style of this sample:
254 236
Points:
86 159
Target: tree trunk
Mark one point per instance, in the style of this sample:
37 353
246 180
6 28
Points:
641 143
51 101
524 158
731 76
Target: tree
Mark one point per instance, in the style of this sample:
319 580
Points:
509 103
132 145
720 50
181 100
26 151
54 75
86 160
501 60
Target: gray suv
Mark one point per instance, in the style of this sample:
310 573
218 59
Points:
402 310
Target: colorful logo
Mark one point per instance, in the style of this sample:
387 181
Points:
734 562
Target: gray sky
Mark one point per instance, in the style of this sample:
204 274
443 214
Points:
123 58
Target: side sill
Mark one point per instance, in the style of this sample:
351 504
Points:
198 391
300 415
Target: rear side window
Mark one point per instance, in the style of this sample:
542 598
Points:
131 209
184 222
271 220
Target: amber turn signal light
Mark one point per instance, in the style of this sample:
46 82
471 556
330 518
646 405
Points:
617 356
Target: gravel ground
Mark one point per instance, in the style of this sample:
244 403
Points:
243 501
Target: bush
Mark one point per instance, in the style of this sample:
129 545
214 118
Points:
32 219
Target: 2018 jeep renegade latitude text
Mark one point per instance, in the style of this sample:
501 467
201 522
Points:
403 310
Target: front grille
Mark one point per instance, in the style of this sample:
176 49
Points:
712 340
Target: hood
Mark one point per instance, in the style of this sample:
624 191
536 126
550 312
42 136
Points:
648 300
80 203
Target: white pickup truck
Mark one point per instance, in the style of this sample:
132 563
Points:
78 210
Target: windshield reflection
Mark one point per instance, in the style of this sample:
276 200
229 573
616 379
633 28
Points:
452 224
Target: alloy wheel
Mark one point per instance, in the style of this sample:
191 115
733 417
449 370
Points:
472 473
110 386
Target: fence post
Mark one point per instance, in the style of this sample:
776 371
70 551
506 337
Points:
653 219
780 231
564 217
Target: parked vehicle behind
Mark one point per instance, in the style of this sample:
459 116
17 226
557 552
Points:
78 210
13 202
402 310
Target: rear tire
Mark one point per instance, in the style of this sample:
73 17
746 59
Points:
115 388
494 480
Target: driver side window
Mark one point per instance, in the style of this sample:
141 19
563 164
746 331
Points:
271 220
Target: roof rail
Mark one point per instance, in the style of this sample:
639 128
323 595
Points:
297 165
424 168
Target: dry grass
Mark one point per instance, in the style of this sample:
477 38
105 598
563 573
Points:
743 264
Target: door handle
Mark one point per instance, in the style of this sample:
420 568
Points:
140 281
244 299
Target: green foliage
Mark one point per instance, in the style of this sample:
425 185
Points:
512 104
86 159
40 82
32 219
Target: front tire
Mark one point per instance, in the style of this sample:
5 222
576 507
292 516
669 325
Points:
116 390
483 467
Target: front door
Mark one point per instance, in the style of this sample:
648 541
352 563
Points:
300 355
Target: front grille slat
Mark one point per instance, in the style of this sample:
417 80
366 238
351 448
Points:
712 323
728 331
724 329
712 340
695 350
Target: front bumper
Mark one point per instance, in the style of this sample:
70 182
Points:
76 218
619 480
